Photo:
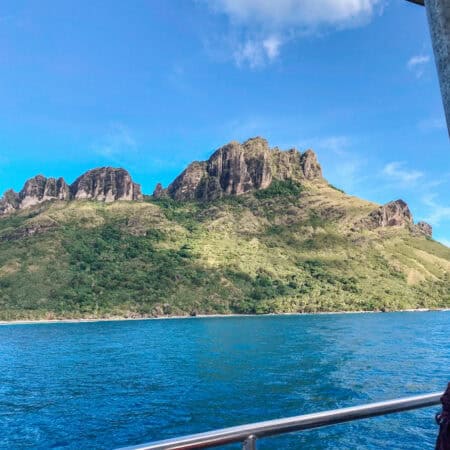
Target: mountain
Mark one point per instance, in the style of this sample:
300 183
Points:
252 230
236 169
104 184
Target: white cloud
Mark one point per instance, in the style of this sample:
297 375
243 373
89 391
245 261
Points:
417 64
257 52
310 13
265 25
116 143
418 60
398 172
272 46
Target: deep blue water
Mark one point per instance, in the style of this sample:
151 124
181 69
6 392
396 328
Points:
109 384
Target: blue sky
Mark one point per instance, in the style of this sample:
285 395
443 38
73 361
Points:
151 85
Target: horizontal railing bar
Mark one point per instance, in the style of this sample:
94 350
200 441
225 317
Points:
290 424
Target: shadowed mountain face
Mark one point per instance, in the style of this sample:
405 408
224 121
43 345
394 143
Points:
252 230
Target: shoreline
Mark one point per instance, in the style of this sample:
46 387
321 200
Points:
206 316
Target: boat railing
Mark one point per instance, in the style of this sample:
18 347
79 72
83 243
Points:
248 434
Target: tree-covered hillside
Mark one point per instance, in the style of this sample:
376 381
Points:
289 247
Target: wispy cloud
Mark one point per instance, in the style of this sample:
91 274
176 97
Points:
432 124
336 144
399 173
265 25
116 143
257 52
282 13
342 165
417 64
438 211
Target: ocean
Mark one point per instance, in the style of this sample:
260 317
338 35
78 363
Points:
103 385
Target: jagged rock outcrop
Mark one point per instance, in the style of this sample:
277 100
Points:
9 202
36 190
392 214
159 191
40 189
310 166
236 168
105 184
184 187
424 228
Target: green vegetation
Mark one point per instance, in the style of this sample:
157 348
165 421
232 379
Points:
279 188
287 248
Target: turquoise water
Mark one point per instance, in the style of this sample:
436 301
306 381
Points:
111 384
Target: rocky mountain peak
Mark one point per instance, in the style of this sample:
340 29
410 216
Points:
310 165
159 191
36 190
395 213
39 189
256 144
9 202
103 184
106 184
235 169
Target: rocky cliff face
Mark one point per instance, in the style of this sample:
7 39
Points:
395 214
9 202
233 169
424 228
40 189
104 184
236 168
36 190
159 191
392 214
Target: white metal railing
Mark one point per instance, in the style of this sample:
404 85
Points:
249 433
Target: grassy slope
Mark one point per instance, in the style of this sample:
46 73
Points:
269 252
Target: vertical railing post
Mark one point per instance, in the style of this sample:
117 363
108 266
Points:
249 443
438 12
